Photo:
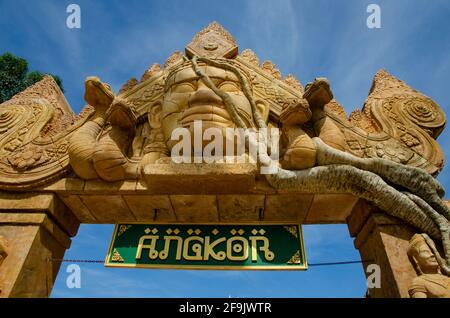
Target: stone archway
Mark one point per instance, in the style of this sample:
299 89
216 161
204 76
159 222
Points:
112 163
38 227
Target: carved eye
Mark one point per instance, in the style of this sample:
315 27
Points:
229 87
425 254
183 88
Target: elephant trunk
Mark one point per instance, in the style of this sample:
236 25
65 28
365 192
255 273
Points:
109 157
82 147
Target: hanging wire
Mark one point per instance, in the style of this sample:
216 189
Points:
310 264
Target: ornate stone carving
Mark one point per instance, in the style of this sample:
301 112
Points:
155 68
213 41
300 149
128 86
250 57
147 95
271 69
175 58
361 121
35 126
29 157
97 150
397 123
151 132
293 82
430 282
375 155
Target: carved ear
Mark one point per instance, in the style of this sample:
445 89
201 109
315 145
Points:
154 115
263 108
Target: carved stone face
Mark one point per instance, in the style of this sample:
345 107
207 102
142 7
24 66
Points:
425 259
188 99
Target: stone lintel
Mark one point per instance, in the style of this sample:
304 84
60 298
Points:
197 193
293 207
224 178
330 208
169 179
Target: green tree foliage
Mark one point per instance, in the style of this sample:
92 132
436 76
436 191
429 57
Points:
14 76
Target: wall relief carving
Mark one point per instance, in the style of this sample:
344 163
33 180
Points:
35 127
430 282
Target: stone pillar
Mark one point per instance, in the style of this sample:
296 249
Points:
34 230
384 240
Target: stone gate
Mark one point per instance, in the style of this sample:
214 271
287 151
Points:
373 170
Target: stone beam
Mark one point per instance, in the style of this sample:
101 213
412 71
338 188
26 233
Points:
197 193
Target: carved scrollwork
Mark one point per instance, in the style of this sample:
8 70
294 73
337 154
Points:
21 120
396 123
413 121
425 113
147 95
35 126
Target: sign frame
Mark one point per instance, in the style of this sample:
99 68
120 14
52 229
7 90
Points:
303 267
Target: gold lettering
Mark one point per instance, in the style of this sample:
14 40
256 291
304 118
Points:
239 248
165 252
153 253
196 248
268 255
209 249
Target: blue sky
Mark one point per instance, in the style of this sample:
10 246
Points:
120 39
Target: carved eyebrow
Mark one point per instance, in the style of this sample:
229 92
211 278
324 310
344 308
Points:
196 78
186 80
167 86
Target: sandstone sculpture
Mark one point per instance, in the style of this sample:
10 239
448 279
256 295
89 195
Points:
3 249
3 252
385 154
430 283
301 152
35 126
98 149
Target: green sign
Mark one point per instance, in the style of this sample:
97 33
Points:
207 246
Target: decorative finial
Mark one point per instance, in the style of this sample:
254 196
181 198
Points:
213 42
